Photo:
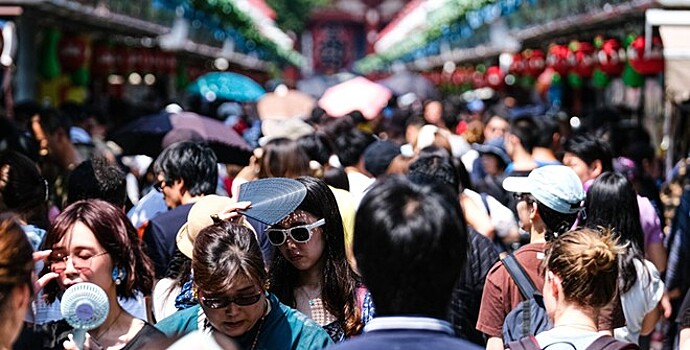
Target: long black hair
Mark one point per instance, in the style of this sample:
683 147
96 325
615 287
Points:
338 280
612 203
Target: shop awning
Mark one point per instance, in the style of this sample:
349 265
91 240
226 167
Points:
677 56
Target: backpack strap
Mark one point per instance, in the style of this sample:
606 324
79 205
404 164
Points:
608 342
525 343
483 195
519 276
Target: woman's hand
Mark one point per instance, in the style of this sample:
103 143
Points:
89 343
231 212
45 279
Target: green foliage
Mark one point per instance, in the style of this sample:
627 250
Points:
292 15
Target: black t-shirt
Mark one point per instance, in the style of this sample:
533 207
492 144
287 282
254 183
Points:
52 335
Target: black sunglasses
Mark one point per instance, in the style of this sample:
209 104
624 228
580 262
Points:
158 185
219 303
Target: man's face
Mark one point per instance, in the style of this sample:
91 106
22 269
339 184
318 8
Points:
170 189
583 171
496 127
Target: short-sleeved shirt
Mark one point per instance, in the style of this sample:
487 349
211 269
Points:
642 298
501 294
566 339
282 328
160 237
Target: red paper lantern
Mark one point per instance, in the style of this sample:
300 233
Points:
647 64
494 77
582 58
459 76
72 53
517 67
611 58
479 79
535 62
557 59
103 60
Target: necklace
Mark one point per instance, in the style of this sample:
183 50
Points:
258 332
98 336
310 298
261 323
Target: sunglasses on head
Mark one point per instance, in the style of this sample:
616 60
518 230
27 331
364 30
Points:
299 234
219 303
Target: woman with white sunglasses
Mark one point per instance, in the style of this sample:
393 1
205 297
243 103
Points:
311 272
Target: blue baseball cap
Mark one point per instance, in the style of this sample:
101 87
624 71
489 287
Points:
555 186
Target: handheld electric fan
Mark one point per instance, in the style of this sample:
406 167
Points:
84 306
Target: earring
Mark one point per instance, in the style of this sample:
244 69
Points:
118 275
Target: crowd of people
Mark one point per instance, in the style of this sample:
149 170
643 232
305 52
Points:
431 226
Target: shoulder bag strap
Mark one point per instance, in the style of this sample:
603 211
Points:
520 277
608 342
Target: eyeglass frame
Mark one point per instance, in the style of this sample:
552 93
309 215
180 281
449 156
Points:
225 302
288 232
66 257
159 185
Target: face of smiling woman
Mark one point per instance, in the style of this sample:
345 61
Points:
235 320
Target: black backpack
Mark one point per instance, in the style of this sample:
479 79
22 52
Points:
606 342
529 317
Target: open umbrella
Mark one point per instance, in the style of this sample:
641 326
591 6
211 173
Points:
405 82
316 85
357 94
145 136
228 86
284 103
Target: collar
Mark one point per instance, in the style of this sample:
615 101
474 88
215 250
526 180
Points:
387 323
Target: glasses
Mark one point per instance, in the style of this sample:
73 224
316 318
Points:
299 234
219 303
159 185
519 197
58 261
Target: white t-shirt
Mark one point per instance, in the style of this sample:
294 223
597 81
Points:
642 298
502 218
164 294
562 338
359 185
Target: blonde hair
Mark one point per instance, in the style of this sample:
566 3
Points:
586 260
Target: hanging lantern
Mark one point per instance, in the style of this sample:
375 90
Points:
72 52
557 59
610 58
517 67
479 77
535 62
50 62
643 63
581 58
494 77
459 76
103 60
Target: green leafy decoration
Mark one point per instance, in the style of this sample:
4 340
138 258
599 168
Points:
227 13
292 15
